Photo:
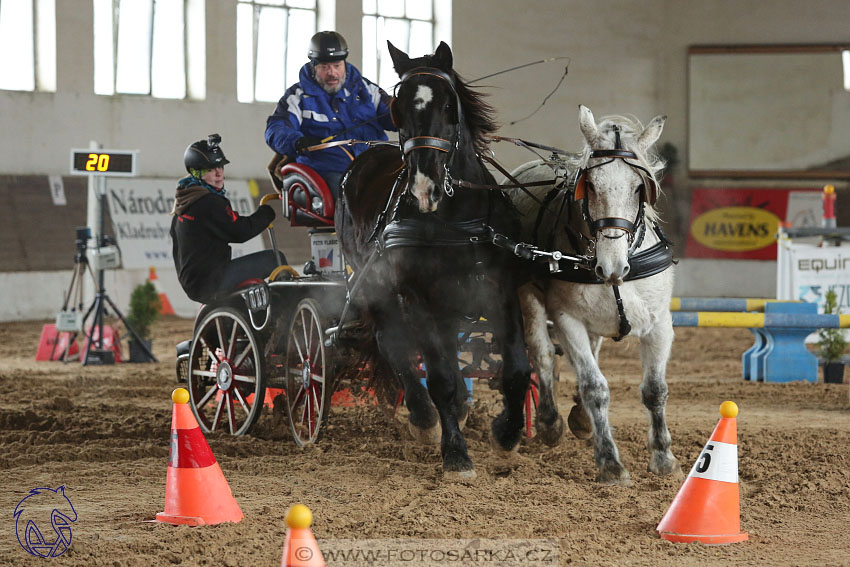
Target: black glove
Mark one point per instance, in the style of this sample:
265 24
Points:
305 142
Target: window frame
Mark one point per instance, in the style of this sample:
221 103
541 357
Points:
256 7
440 22
41 43
194 60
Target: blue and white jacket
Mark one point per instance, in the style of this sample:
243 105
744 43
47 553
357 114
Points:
360 110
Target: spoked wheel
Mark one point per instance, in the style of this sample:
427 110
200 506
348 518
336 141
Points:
226 384
308 376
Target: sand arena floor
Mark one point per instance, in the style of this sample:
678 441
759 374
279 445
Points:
103 432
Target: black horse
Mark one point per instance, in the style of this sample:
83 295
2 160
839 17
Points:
419 228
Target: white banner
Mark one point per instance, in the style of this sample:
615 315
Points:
141 218
807 271
57 190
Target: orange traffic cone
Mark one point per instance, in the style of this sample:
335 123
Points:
707 508
165 307
300 548
196 492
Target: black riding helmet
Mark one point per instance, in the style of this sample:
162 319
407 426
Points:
327 46
204 154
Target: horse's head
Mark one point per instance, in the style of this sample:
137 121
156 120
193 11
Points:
618 187
427 111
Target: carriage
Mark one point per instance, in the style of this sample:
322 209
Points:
436 247
267 339
277 343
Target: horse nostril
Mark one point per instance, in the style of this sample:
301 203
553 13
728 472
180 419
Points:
626 269
599 272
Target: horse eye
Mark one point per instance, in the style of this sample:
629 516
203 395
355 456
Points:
590 186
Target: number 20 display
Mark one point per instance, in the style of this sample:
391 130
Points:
103 162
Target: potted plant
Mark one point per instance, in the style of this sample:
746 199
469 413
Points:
144 310
832 344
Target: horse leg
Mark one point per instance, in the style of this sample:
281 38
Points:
516 372
654 353
578 420
398 352
541 351
595 397
449 396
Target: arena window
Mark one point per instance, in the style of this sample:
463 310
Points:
845 62
414 26
28 29
265 32
145 47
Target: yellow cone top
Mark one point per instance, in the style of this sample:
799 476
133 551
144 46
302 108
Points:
180 395
729 409
828 189
299 516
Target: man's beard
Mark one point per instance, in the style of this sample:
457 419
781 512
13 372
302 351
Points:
332 90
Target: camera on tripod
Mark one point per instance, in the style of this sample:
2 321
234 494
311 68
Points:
83 236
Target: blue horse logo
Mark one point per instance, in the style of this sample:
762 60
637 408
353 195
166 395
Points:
37 506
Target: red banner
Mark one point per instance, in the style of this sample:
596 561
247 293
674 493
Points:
742 223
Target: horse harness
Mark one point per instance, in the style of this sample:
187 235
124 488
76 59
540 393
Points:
572 268
408 144
579 269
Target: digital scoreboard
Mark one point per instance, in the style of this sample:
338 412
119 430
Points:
104 162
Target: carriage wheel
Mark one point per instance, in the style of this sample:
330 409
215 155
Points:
308 388
226 384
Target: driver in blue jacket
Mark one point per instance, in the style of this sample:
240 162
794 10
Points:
330 100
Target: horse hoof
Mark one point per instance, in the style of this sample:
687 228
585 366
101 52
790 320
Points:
670 467
460 476
550 434
501 451
426 436
615 477
579 423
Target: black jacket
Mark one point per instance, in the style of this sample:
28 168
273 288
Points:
201 237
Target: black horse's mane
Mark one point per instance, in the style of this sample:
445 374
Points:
478 113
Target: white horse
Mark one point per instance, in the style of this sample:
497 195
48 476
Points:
598 211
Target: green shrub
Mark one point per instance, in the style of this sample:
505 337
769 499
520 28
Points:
144 309
831 344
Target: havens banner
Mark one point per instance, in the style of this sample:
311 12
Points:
141 218
742 223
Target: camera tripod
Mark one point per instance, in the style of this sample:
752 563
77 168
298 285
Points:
71 320
94 352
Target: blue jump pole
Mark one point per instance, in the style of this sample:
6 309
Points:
779 353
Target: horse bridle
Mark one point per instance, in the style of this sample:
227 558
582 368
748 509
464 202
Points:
407 145
634 229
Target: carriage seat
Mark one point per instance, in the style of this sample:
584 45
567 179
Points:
310 201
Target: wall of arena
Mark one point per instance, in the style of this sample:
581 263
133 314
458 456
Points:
627 56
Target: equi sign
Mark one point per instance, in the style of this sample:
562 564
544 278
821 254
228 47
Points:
141 219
